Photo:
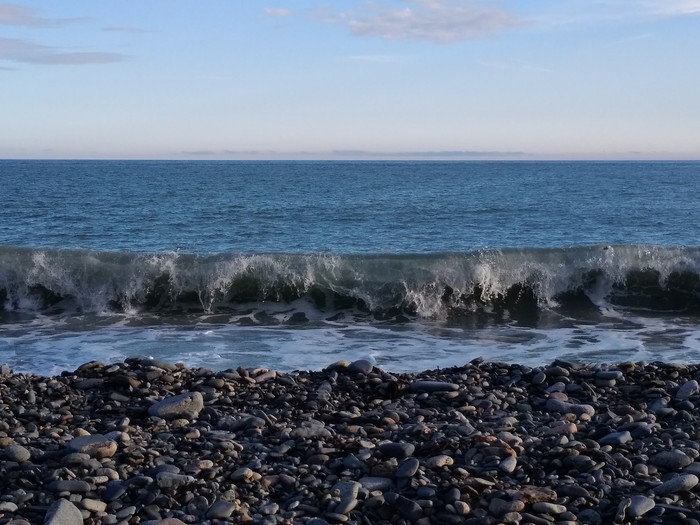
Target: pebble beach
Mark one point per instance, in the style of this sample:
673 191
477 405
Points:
149 442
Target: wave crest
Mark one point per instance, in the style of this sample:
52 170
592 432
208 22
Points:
442 285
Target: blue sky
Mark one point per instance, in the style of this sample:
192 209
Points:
248 79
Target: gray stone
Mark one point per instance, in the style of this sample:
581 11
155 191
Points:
311 429
361 366
678 484
171 480
74 486
441 460
548 508
407 468
563 407
372 483
183 406
8 506
508 465
639 505
409 509
95 446
396 450
499 507
63 512
16 453
670 459
348 491
432 386
689 388
616 438
221 510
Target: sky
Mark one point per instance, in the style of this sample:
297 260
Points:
307 79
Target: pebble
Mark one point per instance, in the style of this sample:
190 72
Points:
670 460
433 386
616 438
564 407
16 453
396 450
483 443
439 461
677 484
688 389
407 468
63 512
508 464
639 506
187 406
96 446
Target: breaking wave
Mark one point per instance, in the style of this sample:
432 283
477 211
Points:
504 283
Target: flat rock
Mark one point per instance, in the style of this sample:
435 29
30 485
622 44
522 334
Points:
311 429
95 446
372 483
564 407
432 386
63 512
687 389
16 453
670 459
678 484
74 486
396 450
639 506
221 509
407 468
182 406
616 438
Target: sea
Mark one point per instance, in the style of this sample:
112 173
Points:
293 265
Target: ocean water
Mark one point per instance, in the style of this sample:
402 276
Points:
294 265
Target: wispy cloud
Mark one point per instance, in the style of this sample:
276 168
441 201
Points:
25 51
19 15
675 7
278 12
441 21
514 65
127 29
372 59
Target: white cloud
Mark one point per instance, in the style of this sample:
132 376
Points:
441 21
25 51
278 12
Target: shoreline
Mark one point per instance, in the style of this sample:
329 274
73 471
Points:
151 442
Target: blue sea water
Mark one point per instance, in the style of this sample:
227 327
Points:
297 264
